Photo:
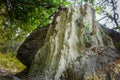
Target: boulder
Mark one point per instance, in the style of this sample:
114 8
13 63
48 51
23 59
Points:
30 46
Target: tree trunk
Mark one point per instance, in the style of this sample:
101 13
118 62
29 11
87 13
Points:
75 48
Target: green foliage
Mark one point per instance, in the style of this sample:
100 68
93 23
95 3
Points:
10 63
19 17
98 9
92 1
118 44
31 12
28 14
87 27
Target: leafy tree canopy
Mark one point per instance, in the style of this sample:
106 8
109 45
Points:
25 15
20 17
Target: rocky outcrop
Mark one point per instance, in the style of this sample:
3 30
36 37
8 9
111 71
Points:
75 47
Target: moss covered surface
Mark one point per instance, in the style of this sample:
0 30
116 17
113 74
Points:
10 63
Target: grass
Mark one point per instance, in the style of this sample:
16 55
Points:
10 63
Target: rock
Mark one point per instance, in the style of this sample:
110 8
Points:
15 78
75 48
6 75
4 72
115 36
30 46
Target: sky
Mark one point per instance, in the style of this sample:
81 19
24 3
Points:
108 9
